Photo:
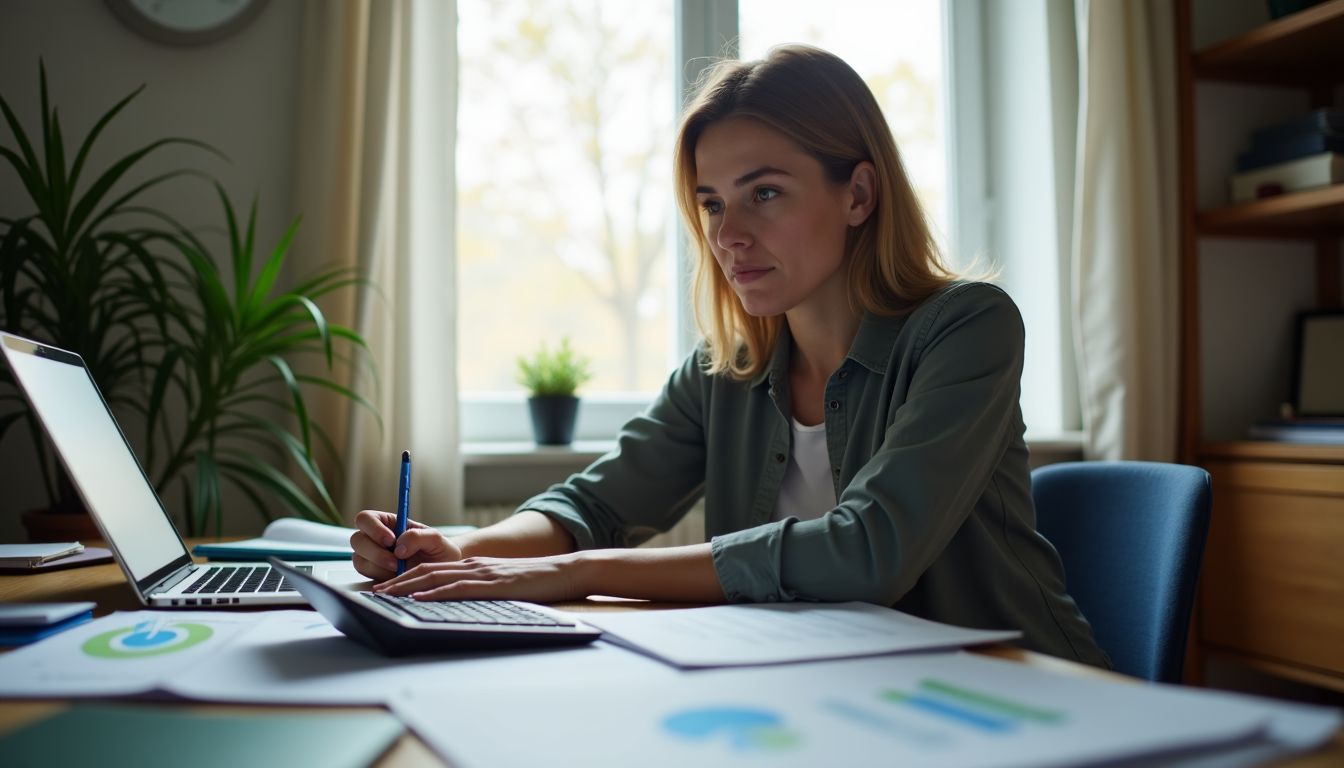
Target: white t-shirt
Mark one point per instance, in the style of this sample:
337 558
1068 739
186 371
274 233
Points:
807 491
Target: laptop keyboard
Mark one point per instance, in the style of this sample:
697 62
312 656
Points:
231 580
498 612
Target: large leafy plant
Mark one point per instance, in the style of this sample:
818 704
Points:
230 359
76 272
207 361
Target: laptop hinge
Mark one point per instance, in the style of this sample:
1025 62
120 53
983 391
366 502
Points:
176 577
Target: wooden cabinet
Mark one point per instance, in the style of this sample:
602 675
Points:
1272 589
1273 581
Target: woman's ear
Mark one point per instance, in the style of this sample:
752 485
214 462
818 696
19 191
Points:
862 193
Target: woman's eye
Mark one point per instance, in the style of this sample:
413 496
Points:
766 194
711 206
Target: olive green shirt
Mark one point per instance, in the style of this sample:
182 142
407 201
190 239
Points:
923 427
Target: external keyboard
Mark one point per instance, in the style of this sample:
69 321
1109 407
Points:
497 612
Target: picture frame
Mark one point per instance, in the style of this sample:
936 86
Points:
1318 373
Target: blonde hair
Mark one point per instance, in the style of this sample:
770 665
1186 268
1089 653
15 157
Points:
816 99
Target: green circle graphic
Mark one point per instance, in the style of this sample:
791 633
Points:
100 646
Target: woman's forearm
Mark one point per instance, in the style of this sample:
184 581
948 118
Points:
672 574
526 534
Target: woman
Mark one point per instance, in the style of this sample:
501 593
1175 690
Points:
851 417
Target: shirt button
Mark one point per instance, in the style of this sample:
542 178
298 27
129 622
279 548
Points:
844 374
835 405
779 458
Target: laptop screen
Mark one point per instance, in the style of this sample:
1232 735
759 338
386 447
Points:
99 461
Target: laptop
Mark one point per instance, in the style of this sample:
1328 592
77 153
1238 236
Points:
122 502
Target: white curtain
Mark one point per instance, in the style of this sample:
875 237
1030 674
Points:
1125 230
376 190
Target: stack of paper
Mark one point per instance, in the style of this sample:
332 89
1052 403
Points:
927 710
29 555
604 705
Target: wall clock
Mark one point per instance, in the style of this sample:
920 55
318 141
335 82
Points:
186 22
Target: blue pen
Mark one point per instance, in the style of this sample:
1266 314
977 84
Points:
403 504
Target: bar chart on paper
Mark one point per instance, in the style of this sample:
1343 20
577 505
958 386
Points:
931 715
931 710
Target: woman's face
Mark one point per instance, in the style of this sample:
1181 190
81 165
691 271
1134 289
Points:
775 224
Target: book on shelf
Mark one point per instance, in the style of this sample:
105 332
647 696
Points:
1314 431
1292 148
1319 170
1324 121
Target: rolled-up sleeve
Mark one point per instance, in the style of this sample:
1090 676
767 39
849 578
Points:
648 482
939 449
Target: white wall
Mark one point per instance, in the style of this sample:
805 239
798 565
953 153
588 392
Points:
238 95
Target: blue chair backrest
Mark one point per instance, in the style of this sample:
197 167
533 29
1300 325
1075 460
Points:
1131 535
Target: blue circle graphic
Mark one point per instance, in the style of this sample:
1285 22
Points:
144 639
746 730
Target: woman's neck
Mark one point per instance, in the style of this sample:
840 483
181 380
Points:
821 339
823 328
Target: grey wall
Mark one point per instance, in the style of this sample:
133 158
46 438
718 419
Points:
237 94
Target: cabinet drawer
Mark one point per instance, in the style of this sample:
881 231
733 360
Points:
1273 579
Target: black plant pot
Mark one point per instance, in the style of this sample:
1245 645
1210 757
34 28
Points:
553 418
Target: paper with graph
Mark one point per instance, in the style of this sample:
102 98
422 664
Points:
928 710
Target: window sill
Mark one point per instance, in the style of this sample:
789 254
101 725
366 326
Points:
529 454
580 453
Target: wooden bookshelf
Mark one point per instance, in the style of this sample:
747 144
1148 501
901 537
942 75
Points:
1302 215
1306 47
1272 583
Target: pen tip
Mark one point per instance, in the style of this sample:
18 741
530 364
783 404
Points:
405 455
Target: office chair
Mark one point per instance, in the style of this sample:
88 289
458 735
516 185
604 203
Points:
1131 535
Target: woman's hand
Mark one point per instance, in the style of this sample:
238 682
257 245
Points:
419 544
537 579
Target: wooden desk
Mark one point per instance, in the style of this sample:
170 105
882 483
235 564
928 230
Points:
106 585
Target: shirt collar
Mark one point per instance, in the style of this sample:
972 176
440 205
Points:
872 344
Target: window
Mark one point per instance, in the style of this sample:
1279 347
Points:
566 217
566 221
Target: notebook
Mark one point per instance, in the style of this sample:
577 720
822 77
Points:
161 736
121 500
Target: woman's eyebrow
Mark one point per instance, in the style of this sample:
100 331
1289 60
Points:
747 178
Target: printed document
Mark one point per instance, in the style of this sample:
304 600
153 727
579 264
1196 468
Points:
775 633
929 710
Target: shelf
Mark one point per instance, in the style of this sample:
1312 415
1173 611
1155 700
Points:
1309 214
1264 450
1303 48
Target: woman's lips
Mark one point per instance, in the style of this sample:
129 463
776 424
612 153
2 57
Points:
745 275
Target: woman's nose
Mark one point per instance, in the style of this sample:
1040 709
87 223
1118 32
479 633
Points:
732 234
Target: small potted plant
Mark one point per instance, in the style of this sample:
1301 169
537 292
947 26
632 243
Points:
551 379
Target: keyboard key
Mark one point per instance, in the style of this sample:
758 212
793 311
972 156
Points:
483 612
